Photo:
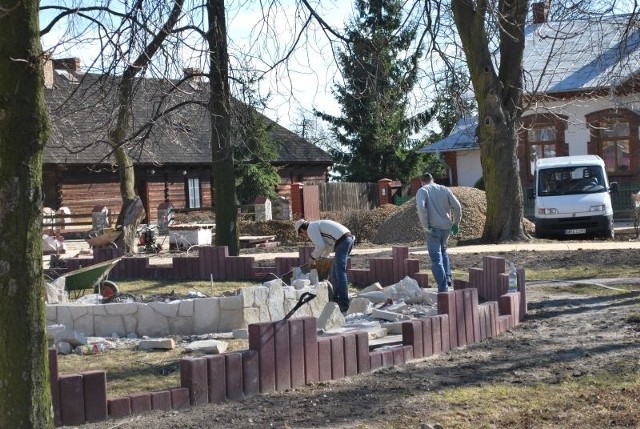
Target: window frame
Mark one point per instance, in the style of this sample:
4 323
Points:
600 120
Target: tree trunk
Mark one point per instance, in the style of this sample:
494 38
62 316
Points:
499 97
25 394
224 183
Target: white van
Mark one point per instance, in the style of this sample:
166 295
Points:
573 197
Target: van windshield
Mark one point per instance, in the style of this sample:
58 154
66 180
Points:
571 180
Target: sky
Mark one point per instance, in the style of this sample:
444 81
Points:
304 83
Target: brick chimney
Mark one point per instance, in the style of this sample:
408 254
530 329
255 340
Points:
69 64
192 72
540 11
47 69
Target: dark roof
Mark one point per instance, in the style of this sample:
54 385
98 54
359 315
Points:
581 54
82 113
569 56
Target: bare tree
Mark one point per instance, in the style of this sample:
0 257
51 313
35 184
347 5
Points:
25 395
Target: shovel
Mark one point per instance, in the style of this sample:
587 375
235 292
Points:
304 298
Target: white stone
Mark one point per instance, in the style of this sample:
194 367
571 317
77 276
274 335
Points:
52 314
406 290
181 325
206 315
331 317
230 320
107 325
167 309
185 308
157 343
301 283
242 333
376 297
151 322
251 315
430 296
121 308
360 305
64 348
275 303
376 287
388 315
231 303
85 324
72 337
393 328
207 346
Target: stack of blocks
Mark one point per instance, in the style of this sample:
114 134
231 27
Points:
287 354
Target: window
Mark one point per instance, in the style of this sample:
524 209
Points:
193 189
614 137
615 143
541 136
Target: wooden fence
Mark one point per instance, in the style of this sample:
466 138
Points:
340 196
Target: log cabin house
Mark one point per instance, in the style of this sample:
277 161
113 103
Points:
170 149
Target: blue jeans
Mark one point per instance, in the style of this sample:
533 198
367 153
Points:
437 248
338 275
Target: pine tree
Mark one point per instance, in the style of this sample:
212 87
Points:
379 72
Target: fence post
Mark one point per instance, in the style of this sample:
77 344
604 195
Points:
384 192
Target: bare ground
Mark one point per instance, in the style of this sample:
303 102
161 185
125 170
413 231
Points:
564 337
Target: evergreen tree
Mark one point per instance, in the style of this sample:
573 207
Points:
379 73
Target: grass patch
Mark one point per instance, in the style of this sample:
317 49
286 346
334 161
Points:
590 289
602 400
182 288
632 318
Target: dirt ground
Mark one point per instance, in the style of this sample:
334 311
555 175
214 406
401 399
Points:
564 336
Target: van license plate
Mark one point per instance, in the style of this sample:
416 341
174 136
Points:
575 231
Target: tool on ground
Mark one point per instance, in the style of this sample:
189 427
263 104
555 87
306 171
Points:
304 298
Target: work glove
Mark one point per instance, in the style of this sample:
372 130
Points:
428 229
455 229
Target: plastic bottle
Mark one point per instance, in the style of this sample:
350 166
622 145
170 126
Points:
513 277
90 349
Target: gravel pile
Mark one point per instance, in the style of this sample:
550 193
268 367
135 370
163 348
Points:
403 227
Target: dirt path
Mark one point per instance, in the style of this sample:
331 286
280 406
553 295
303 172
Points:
564 336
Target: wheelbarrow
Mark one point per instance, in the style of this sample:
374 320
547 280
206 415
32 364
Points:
106 238
92 277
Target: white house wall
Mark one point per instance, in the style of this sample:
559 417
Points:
469 167
577 132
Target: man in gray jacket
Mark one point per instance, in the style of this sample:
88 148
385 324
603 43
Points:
440 214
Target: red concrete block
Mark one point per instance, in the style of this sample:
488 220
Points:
503 323
427 337
179 398
71 399
382 269
324 358
119 407
476 280
408 353
216 378
311 367
250 372
160 400
447 305
375 360
398 355
337 357
475 316
468 315
506 308
411 267
193 376
482 313
523 294
296 349
95 395
235 384
387 358
350 355
55 387
412 335
262 340
422 279
436 335
399 254
461 324
362 350
445 345
140 403
282 356
459 284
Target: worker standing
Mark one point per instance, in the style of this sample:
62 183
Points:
330 236
440 214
